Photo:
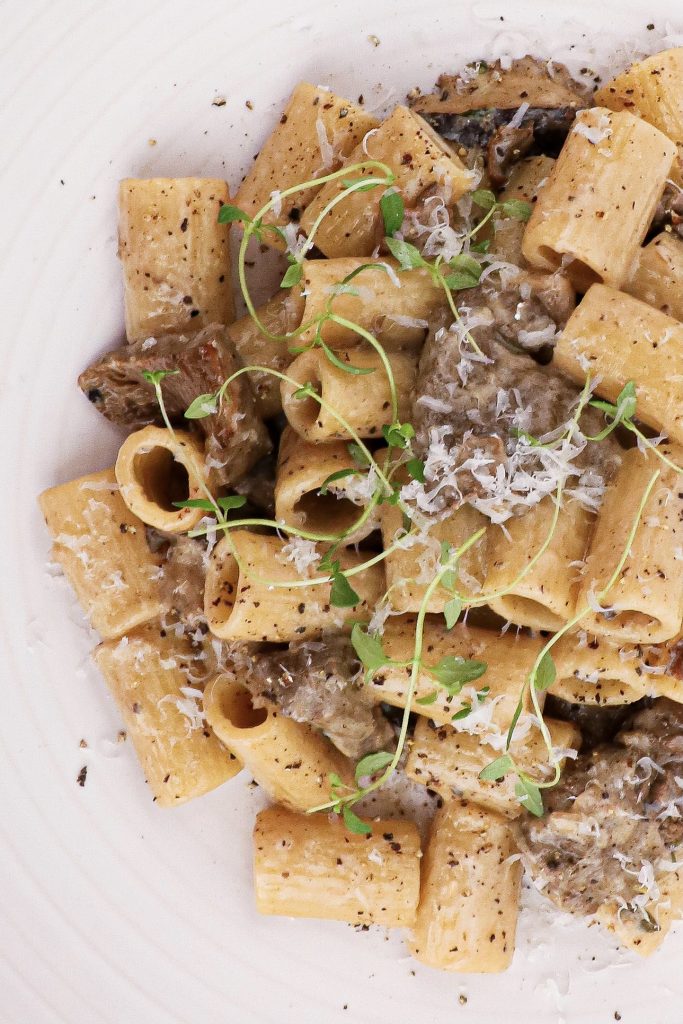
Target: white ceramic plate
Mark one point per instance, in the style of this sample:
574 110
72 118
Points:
114 910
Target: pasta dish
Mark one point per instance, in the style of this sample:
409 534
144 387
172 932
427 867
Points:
419 516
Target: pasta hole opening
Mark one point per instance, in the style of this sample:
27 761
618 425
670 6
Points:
305 411
631 621
236 706
579 273
524 611
325 513
163 479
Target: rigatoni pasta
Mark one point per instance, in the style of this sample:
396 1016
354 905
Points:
593 213
312 867
366 413
646 603
410 566
147 674
155 469
393 308
254 592
469 893
419 160
290 760
526 180
543 598
102 548
507 659
302 474
450 762
317 130
174 254
658 277
615 338
652 89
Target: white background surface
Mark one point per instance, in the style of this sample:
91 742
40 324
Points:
113 910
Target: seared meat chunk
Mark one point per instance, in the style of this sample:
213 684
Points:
319 683
613 821
235 437
479 109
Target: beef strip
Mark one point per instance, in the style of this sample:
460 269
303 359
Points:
318 683
235 437
475 111
613 819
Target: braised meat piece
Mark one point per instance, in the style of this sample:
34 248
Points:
318 683
235 437
507 145
470 409
480 109
613 822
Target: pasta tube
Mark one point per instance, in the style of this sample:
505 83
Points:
280 315
150 675
174 254
290 760
156 468
646 603
103 551
419 159
410 569
449 762
546 596
302 470
526 180
469 893
310 866
244 598
594 670
364 401
592 215
316 132
653 89
508 660
616 338
391 307
658 278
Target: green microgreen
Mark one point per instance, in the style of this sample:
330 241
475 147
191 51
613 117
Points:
398 435
353 823
416 468
452 611
392 210
453 672
372 763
